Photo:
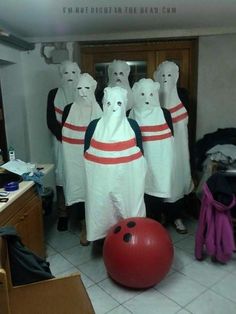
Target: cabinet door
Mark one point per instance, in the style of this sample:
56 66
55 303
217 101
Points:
29 225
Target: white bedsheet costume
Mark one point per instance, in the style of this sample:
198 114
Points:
167 75
81 112
118 73
115 168
158 141
65 95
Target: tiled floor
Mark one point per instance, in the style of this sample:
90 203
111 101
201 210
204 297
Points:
190 286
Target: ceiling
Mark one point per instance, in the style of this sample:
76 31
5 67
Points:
83 20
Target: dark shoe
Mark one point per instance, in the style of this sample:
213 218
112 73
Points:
62 224
180 227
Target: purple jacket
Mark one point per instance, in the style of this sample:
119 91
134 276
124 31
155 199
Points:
215 231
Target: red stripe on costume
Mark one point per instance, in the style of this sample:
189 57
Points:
72 140
58 110
75 127
114 160
180 117
176 108
154 128
113 146
156 137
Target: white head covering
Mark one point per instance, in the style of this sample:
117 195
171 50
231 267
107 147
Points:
118 74
157 137
69 72
115 168
167 75
82 112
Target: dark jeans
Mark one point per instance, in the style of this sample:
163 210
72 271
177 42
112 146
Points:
156 207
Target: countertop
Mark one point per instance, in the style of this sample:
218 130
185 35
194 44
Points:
23 187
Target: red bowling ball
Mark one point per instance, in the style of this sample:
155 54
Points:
138 252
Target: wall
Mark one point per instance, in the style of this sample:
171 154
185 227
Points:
13 96
216 103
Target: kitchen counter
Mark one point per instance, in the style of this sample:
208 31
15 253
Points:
23 210
23 187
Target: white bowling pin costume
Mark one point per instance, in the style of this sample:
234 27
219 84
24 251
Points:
158 141
115 168
76 118
167 75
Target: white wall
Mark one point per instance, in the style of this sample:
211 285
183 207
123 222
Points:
216 103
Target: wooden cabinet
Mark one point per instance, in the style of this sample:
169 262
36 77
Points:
25 214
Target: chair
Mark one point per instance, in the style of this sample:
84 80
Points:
64 295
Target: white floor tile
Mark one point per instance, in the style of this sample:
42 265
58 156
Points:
101 301
94 269
50 251
187 244
119 293
211 303
119 310
63 240
151 302
226 287
174 287
203 272
183 311
78 254
58 264
181 259
175 236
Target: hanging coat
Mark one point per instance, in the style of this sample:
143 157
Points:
76 118
215 231
115 168
157 137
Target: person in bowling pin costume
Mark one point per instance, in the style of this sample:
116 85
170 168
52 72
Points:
58 98
75 120
167 75
115 167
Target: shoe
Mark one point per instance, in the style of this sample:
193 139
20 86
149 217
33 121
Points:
83 234
62 224
180 227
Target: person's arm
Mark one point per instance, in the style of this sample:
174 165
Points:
168 119
89 133
134 125
65 114
52 123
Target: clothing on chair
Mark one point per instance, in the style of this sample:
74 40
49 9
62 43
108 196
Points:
215 231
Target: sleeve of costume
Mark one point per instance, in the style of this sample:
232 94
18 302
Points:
52 123
168 119
89 133
134 125
65 113
184 97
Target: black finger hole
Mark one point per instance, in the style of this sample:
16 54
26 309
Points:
117 229
127 237
131 224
